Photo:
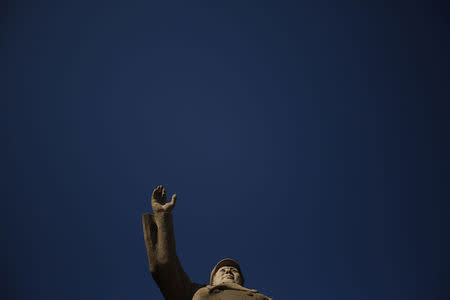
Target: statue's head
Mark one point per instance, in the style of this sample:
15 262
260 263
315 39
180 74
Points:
226 271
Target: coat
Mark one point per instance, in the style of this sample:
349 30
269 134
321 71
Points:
227 292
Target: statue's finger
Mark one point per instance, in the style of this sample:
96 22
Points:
155 192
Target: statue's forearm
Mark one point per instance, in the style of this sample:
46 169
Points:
159 239
165 240
150 237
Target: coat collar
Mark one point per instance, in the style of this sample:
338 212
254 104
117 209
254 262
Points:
229 286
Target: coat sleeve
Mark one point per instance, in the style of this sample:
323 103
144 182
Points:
165 266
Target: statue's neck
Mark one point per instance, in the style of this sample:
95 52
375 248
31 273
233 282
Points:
230 286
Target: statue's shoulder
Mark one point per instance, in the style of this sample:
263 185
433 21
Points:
206 293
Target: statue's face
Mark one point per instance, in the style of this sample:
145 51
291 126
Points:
227 274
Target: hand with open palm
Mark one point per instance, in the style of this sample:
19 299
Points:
159 200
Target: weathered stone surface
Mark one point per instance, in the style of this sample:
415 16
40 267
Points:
226 280
226 292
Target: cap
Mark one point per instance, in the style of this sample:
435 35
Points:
226 262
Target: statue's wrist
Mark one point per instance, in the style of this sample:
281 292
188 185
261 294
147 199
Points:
162 216
161 212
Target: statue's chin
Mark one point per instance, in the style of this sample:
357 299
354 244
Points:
227 280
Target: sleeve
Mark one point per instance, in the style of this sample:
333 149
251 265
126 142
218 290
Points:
165 266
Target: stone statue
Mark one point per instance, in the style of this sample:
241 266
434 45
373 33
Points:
226 280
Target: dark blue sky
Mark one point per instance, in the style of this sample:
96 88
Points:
306 139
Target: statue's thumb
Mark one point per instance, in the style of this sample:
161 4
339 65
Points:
174 199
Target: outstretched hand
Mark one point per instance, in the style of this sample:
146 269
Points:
159 200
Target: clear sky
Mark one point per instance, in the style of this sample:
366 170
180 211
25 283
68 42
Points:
306 139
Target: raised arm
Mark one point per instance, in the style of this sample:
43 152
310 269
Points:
160 242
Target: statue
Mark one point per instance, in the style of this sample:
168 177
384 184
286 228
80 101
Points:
226 280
